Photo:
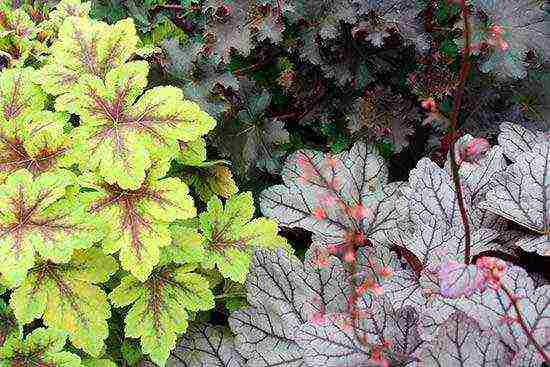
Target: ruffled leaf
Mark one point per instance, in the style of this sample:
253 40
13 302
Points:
119 133
38 218
284 294
138 220
38 144
67 297
87 48
461 342
160 306
19 96
231 235
206 345
342 199
43 347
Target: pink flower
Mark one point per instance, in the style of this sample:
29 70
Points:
385 272
349 256
328 200
429 104
319 213
493 270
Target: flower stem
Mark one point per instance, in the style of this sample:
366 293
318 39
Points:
524 325
457 102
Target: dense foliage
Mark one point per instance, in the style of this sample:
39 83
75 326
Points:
399 151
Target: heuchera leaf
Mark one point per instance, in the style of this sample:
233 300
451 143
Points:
343 199
513 28
138 220
161 305
17 33
43 347
206 178
231 32
9 327
284 294
206 345
19 96
119 132
38 144
521 194
85 47
66 296
461 342
231 235
37 217
516 139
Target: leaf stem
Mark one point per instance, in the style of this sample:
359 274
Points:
524 325
457 102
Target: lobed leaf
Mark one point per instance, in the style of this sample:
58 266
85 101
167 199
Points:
138 220
41 347
206 345
160 306
231 235
66 296
39 218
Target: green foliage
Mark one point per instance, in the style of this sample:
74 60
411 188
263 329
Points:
231 235
43 347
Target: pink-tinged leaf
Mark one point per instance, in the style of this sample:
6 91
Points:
458 280
348 187
206 346
461 342
285 294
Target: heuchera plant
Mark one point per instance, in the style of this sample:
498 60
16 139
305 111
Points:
91 217
385 282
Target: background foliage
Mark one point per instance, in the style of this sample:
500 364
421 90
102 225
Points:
141 140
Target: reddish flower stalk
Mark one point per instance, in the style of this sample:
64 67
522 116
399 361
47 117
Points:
524 325
457 102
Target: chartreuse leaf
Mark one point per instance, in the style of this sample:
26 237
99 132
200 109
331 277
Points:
231 235
161 305
138 220
38 144
37 217
9 328
67 298
205 178
19 96
87 48
118 132
43 347
69 8
98 363
17 33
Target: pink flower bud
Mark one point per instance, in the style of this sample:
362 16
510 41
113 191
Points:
475 149
429 104
319 213
349 256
